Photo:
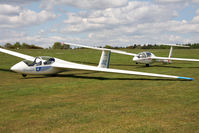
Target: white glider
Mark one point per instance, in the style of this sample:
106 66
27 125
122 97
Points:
44 65
144 57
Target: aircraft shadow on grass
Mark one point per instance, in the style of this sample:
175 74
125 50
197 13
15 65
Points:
95 64
172 66
107 78
76 75
5 70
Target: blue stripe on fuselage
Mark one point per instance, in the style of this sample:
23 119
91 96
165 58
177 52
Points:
43 68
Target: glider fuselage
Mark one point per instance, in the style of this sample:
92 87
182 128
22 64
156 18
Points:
41 65
147 58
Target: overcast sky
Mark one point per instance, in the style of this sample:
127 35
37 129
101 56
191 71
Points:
99 22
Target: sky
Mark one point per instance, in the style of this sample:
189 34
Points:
99 22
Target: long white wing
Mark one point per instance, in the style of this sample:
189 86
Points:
23 56
112 50
180 59
70 65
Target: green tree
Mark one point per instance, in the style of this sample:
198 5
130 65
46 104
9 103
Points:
194 46
65 46
25 46
8 45
35 47
17 45
57 45
108 46
130 47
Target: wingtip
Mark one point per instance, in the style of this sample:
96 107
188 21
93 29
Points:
186 78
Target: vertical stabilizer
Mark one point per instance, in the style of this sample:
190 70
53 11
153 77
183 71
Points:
105 59
170 54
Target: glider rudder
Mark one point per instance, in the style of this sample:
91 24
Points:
105 59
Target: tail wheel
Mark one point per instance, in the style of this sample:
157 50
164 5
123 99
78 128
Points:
24 75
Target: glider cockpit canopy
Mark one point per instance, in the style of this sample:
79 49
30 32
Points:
41 60
144 55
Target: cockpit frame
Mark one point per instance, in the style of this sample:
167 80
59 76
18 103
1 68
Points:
144 55
41 60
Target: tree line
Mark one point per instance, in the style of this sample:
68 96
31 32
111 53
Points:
59 45
154 46
18 45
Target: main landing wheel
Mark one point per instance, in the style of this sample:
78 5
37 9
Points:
147 65
24 75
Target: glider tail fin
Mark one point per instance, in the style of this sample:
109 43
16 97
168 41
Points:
105 59
170 54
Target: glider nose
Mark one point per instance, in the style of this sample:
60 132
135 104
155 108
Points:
135 58
17 67
13 68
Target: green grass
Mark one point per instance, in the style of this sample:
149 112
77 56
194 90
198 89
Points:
94 102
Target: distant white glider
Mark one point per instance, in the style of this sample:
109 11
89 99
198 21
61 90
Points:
44 65
144 57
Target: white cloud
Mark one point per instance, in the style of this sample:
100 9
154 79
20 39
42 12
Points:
174 3
7 34
196 18
9 10
85 4
44 41
134 13
170 1
139 22
14 16
197 11
195 1
100 22
177 2
17 2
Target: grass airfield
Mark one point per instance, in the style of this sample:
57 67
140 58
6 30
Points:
95 102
